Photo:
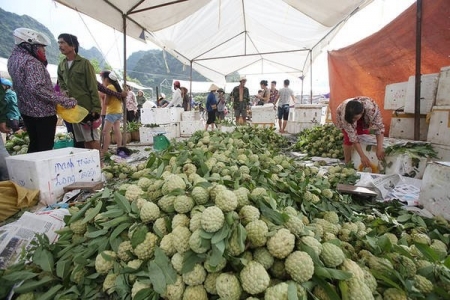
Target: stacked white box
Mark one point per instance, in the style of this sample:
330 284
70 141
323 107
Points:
50 171
297 127
434 190
187 128
161 115
263 114
395 95
439 127
443 91
308 113
402 126
428 89
172 130
227 128
192 115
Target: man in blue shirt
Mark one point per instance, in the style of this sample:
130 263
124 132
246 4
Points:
211 106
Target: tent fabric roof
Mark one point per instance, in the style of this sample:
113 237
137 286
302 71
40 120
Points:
219 37
388 56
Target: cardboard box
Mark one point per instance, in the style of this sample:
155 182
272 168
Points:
434 191
439 127
309 113
395 95
50 171
443 90
402 126
263 114
192 115
428 89
187 128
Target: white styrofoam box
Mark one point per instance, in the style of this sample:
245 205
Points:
50 171
439 127
404 165
402 126
146 134
187 128
175 114
443 151
291 115
192 115
428 88
297 127
371 152
172 130
443 90
263 113
395 95
308 113
161 115
434 190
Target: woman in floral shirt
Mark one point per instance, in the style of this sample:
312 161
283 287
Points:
356 116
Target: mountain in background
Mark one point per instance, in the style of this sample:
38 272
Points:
150 68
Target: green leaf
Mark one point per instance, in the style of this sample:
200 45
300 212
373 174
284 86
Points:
32 285
50 293
292 291
164 263
216 253
138 236
19 276
332 273
44 259
118 230
242 236
404 218
92 213
122 202
113 213
95 234
157 278
206 235
331 293
116 222
447 262
143 294
221 234
190 259
428 252
63 268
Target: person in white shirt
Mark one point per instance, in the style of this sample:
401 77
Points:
177 99
284 96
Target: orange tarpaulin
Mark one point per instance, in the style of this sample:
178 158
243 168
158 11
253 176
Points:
389 56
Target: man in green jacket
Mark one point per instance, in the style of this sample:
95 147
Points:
76 77
3 153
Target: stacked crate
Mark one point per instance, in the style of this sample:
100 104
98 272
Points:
162 120
190 123
400 98
305 116
439 127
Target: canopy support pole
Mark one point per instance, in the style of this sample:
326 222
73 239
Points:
190 87
124 103
418 71
311 72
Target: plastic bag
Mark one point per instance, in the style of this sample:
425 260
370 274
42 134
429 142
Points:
72 115
14 198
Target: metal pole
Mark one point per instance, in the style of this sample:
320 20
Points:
311 71
418 71
124 105
190 87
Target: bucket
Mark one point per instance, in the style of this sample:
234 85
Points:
160 142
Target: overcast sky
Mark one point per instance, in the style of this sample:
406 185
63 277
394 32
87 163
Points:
59 19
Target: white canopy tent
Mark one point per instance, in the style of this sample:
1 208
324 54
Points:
219 37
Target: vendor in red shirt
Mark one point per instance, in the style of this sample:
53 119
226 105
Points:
355 116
